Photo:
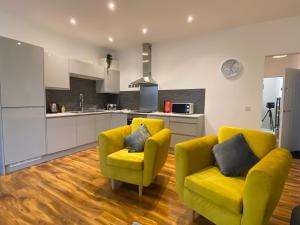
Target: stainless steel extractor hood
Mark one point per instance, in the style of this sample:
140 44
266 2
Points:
146 79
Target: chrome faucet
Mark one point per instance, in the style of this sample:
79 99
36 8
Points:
81 101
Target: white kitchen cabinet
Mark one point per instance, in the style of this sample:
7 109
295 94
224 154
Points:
103 122
61 134
56 71
176 138
166 119
86 129
190 129
21 74
183 128
23 133
85 70
118 120
111 82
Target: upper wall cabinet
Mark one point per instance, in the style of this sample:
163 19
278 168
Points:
111 82
56 70
85 70
21 73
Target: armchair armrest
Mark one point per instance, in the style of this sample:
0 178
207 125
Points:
192 156
155 154
111 141
263 187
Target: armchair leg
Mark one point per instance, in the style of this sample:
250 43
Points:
140 190
113 184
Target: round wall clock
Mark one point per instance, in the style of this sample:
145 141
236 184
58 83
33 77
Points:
231 68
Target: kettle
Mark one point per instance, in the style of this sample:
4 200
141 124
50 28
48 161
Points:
53 107
111 107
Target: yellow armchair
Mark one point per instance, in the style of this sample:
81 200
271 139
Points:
248 200
138 168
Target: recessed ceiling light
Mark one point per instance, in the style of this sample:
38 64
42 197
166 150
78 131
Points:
144 30
19 43
111 6
73 21
279 56
190 19
111 39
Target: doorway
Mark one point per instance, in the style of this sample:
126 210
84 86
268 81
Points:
281 94
271 104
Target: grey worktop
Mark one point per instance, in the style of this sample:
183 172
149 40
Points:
68 114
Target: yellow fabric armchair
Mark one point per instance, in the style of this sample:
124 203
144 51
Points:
248 200
138 168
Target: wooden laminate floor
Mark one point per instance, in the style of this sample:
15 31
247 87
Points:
71 190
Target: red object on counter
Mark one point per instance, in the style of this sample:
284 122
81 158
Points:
167 106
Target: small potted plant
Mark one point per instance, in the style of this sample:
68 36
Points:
108 61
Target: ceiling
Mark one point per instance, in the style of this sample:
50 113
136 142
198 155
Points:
164 19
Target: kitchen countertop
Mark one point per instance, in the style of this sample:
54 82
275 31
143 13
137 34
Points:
68 114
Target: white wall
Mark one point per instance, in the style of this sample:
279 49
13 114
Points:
272 91
195 63
276 67
27 31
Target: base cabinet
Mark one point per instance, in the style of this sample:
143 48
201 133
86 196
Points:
183 128
103 123
61 134
118 120
69 132
86 129
166 119
74 131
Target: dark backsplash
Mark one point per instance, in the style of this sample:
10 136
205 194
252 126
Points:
124 100
70 98
130 99
196 96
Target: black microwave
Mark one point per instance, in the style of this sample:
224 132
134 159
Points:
186 108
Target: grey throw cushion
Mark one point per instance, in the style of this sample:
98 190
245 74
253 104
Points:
234 156
136 141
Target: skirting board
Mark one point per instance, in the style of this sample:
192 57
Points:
31 162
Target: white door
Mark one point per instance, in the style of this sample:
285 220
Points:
21 74
290 126
23 133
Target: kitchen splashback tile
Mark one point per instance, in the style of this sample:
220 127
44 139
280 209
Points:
70 98
124 100
130 99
